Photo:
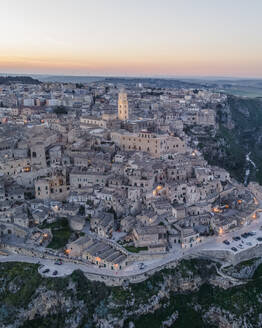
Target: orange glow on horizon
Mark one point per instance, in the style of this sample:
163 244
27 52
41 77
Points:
127 64
174 38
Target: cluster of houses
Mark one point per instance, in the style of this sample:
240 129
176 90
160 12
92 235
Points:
118 165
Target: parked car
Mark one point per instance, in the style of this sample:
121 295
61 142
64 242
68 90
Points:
234 249
259 239
236 238
245 235
46 271
55 273
59 262
249 243
226 242
141 266
241 246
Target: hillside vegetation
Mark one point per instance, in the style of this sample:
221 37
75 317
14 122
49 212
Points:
18 79
239 133
181 297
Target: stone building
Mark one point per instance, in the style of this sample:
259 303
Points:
102 224
123 114
154 144
256 189
150 236
100 253
53 187
81 178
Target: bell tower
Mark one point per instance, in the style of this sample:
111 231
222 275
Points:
122 106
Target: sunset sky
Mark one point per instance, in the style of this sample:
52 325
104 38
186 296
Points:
138 37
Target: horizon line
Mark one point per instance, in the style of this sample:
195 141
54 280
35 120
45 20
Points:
216 77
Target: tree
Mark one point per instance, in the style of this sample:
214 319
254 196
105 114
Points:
60 110
81 210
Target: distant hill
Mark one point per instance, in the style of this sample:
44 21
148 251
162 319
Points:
146 81
18 79
155 82
67 78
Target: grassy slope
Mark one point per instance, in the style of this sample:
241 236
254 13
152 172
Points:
134 249
61 233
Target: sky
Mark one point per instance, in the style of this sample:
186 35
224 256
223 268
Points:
132 37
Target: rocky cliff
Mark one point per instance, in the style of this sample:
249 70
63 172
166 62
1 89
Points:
238 133
191 295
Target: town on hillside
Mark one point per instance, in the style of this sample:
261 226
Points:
105 175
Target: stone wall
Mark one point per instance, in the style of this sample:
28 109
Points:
120 278
229 256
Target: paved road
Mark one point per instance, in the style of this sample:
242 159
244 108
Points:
210 243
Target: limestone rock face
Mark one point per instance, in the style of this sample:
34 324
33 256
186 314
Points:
49 302
168 297
244 270
223 319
